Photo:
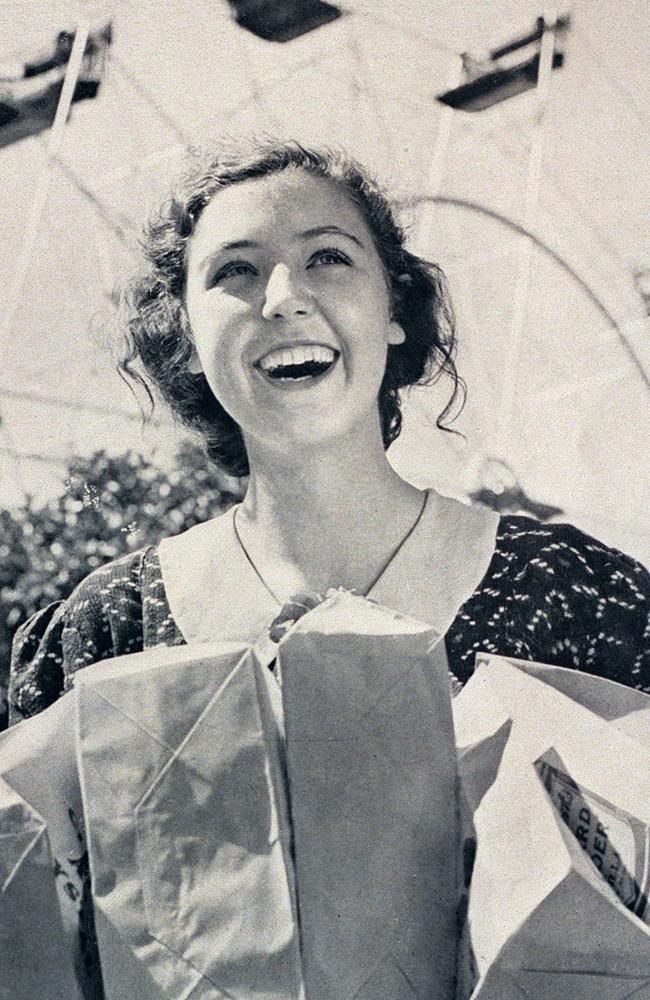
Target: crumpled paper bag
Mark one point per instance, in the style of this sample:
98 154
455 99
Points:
191 891
190 885
372 774
560 795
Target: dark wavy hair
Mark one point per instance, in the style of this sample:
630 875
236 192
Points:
157 331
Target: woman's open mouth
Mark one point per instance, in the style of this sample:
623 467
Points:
301 364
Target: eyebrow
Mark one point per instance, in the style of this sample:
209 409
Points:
321 230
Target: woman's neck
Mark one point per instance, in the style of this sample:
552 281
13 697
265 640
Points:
326 517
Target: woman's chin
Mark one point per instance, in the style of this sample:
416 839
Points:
312 434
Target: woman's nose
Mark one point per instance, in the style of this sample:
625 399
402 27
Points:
284 296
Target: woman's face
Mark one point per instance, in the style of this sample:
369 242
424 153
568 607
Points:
289 309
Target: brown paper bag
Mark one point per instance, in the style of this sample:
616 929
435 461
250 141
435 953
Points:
191 890
175 754
566 795
40 887
372 776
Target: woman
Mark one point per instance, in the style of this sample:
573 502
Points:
280 314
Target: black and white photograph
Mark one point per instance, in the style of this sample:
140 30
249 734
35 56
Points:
324 490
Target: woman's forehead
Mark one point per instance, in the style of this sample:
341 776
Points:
283 202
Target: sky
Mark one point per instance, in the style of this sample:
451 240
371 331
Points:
557 368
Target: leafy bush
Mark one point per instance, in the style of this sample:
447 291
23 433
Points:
111 505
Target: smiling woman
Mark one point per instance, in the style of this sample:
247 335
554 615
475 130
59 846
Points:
280 314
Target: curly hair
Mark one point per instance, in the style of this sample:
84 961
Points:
157 330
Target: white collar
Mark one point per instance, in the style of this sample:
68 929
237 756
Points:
214 593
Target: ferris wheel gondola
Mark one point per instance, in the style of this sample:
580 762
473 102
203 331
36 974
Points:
30 91
283 20
489 81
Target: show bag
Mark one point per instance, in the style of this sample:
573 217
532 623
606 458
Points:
226 861
191 891
555 767
372 774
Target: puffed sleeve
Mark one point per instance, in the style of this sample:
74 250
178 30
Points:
584 605
102 618
36 672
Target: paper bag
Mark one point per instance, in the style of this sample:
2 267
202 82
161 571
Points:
209 837
372 776
544 921
40 884
191 891
625 707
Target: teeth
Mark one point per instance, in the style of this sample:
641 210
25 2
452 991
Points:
324 354
297 356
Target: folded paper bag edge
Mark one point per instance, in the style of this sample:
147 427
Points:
607 698
561 717
153 659
123 693
20 817
350 610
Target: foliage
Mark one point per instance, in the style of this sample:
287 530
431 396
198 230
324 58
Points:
111 505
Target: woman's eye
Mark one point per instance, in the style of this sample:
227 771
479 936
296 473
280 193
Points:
232 269
328 255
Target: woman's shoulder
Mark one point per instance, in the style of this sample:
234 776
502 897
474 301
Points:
104 590
564 597
563 552
111 582
101 618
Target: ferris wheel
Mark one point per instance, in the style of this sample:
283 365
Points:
551 325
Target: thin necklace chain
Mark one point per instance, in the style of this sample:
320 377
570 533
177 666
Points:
375 581
250 561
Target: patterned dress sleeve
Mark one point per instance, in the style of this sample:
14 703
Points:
575 602
102 618
554 594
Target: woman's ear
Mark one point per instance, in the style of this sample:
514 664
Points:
396 333
194 365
